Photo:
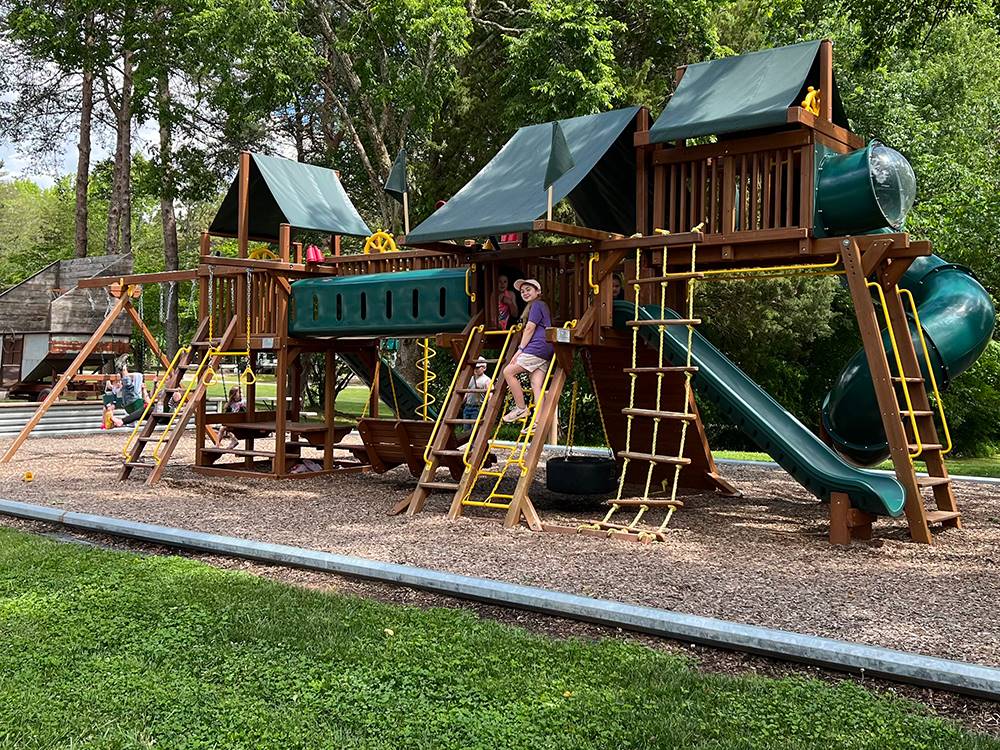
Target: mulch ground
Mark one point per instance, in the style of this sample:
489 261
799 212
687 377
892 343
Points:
761 558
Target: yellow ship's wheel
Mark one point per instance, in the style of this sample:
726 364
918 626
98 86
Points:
262 253
380 242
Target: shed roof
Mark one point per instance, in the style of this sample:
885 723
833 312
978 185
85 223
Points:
508 194
745 92
283 191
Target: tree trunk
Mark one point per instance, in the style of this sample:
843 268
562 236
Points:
83 163
119 207
171 324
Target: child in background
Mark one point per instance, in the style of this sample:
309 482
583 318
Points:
479 380
506 303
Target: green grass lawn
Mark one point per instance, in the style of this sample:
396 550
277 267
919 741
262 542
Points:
974 467
112 650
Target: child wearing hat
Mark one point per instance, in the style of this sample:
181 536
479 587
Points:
533 353
479 381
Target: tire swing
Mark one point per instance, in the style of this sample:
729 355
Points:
576 474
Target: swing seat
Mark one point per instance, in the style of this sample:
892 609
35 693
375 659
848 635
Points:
581 475
398 442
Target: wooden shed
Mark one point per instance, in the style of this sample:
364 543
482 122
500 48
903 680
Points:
46 320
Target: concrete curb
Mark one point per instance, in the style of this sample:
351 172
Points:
899 666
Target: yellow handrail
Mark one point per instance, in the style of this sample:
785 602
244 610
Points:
451 390
594 287
899 367
469 273
180 404
152 399
930 367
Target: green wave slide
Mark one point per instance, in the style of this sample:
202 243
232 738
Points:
812 463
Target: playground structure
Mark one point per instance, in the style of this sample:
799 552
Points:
784 189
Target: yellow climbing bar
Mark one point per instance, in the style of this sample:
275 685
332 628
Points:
899 368
930 368
152 399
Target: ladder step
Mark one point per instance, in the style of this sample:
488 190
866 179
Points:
669 277
667 322
488 361
140 464
908 379
470 390
658 414
444 486
238 452
641 370
448 452
635 502
932 481
459 421
917 412
926 447
940 516
675 460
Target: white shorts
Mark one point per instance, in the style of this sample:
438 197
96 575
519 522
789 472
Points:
530 362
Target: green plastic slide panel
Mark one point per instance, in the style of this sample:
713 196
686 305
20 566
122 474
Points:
397 304
812 463
398 394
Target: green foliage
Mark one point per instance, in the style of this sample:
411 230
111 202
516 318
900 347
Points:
109 650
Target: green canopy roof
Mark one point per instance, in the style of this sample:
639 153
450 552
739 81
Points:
741 93
508 194
289 192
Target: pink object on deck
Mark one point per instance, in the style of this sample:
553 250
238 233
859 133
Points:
314 254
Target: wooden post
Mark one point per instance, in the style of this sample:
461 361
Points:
67 376
285 242
373 395
871 337
329 407
642 176
406 213
243 204
826 79
280 412
205 245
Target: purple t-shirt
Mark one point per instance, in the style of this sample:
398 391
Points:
539 315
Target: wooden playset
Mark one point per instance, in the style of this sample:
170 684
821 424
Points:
731 182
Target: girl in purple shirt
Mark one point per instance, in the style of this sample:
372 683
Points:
533 353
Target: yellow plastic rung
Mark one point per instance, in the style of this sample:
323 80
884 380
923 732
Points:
485 504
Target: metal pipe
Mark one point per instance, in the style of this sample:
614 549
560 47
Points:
899 666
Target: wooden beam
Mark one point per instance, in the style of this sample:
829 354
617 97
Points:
734 147
651 240
96 282
571 230
874 254
799 116
826 80
66 377
243 204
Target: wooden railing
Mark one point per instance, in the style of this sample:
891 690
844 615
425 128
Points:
735 187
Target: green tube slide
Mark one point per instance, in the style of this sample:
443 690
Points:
816 466
957 316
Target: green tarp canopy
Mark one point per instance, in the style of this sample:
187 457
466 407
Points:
289 192
508 194
746 92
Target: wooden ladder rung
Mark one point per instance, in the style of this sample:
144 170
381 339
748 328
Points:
487 361
917 412
653 413
459 421
140 464
926 447
682 276
443 486
636 502
932 481
448 452
675 460
908 379
642 370
667 322
470 390
941 516
239 452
